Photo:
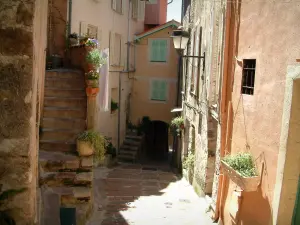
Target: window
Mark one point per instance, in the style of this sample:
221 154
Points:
159 90
92 31
248 76
117 5
152 2
138 10
118 49
158 50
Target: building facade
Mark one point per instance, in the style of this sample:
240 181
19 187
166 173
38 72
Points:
247 103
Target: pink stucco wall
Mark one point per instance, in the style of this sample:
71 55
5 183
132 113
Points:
156 13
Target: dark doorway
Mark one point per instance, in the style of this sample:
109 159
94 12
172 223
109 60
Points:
157 141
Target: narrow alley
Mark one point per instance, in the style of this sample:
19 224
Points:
133 194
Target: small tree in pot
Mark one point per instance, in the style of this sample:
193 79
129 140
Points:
94 60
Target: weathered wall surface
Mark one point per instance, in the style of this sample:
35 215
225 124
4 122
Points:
22 38
204 20
257 118
141 103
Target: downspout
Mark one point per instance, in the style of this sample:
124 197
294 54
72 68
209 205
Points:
223 105
70 16
126 71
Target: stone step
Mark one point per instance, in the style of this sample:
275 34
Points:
64 73
124 152
60 102
56 161
64 123
61 83
134 137
53 112
52 92
57 146
132 142
59 135
126 157
130 148
71 179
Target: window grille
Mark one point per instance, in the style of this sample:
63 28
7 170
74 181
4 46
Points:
248 76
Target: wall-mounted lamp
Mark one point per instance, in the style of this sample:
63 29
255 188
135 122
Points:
180 40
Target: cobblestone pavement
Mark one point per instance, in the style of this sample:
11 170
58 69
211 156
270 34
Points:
128 194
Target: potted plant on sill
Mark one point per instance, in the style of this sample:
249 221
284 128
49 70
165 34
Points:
113 106
90 44
240 168
74 39
177 125
92 79
91 143
94 60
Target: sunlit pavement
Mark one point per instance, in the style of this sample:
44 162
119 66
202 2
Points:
129 195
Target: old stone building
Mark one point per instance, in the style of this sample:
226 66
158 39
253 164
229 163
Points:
204 20
22 56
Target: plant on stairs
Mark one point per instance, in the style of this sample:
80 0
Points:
91 142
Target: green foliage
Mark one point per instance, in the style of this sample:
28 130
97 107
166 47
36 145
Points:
113 105
110 149
94 57
177 124
10 193
189 161
96 140
92 75
131 126
243 163
144 125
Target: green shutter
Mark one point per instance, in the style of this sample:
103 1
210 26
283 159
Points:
159 90
158 52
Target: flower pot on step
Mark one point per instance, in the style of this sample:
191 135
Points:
84 148
90 67
90 91
247 184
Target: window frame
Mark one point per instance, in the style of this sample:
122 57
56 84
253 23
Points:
150 40
114 6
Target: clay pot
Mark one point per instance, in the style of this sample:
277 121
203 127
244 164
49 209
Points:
84 148
90 67
92 83
90 92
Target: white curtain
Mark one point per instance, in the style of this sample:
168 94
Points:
104 83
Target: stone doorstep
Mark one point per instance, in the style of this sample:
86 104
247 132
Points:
82 192
53 179
87 161
84 177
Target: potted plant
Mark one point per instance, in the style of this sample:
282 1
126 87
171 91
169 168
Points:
91 44
91 142
113 106
92 79
241 170
94 60
177 124
74 39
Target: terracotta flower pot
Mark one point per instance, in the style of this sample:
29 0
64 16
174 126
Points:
90 67
182 126
84 148
90 92
92 83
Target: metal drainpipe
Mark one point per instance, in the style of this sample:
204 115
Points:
70 16
120 80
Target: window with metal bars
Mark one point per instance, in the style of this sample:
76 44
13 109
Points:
248 76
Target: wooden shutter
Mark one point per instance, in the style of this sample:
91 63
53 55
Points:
163 50
111 47
141 10
114 4
163 90
153 50
134 9
155 90
123 51
159 90
83 28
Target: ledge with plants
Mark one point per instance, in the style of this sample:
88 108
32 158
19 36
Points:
94 60
91 143
240 168
113 106
177 125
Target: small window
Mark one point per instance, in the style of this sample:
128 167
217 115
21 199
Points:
159 90
158 50
92 31
117 5
248 76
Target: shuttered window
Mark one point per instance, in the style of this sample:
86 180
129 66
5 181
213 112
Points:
159 90
158 50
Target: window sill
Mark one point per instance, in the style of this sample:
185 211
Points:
159 102
120 13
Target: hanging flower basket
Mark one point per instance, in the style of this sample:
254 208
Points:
247 184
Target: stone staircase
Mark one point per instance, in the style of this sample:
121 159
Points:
130 147
65 178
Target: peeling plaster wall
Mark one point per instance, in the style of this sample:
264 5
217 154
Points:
22 39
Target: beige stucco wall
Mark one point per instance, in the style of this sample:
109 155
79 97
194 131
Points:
268 32
141 104
100 14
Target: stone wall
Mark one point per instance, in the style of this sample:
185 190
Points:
201 107
22 39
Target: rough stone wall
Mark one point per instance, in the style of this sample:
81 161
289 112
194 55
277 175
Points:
21 60
197 106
